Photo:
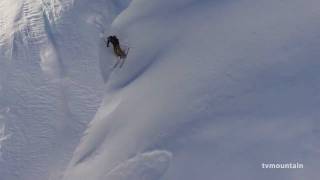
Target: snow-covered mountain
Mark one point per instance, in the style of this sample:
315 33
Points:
209 90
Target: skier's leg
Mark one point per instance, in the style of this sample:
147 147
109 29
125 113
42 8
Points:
117 51
124 57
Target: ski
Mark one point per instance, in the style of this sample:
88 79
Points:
123 60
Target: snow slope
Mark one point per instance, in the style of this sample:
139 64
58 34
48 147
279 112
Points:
45 84
210 89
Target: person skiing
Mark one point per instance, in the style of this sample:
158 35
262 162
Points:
117 50
116 47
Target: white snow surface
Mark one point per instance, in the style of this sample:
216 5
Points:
210 89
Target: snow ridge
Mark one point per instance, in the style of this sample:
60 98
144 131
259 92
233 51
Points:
146 166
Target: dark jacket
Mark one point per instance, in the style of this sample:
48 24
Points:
116 46
114 40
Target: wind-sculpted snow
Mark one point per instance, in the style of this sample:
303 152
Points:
209 90
146 166
49 105
3 134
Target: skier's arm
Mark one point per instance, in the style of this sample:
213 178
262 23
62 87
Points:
108 43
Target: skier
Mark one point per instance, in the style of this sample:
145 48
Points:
117 49
116 46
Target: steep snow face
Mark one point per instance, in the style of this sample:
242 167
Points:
210 89
222 85
50 84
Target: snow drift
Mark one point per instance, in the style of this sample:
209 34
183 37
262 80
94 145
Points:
210 89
